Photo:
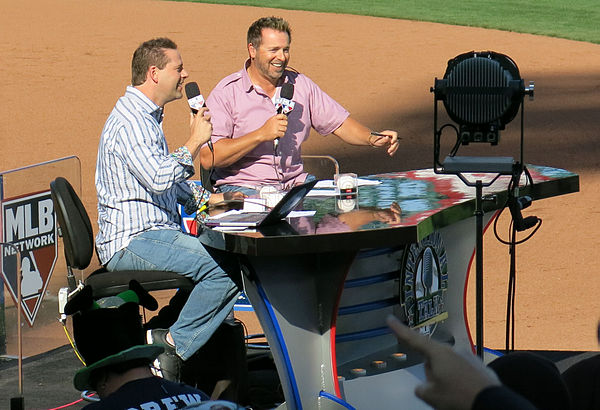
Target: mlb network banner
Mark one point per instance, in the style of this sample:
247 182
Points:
28 222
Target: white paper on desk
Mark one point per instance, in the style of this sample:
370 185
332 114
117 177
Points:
366 182
293 214
321 192
234 229
230 212
298 214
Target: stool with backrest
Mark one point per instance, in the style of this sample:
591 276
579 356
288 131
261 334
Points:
78 240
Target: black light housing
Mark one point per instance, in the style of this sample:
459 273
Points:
482 92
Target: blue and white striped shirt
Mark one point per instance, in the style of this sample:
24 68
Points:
137 181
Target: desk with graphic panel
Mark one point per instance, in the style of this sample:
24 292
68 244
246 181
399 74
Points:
322 286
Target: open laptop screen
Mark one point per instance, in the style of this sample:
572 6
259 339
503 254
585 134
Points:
287 204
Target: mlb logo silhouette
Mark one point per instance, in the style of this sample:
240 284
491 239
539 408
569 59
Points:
29 223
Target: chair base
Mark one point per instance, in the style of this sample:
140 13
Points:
105 283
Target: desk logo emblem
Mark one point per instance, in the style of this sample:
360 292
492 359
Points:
30 225
424 283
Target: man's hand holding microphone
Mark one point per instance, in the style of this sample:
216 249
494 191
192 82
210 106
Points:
200 125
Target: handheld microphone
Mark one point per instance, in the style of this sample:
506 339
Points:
284 104
196 101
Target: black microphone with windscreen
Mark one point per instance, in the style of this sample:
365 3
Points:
196 101
285 104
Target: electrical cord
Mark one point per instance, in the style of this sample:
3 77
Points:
277 173
64 406
509 242
511 293
210 171
458 141
510 189
73 344
512 243
454 149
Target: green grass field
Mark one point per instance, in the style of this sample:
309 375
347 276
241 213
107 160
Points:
571 19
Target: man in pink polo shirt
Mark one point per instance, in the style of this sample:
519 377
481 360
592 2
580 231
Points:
246 121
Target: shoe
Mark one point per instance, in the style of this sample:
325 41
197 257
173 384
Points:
168 364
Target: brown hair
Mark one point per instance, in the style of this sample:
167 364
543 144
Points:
275 23
149 53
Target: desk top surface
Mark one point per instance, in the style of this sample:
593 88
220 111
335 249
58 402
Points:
404 208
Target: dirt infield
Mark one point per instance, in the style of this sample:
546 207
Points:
66 62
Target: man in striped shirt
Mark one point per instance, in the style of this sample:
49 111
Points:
139 184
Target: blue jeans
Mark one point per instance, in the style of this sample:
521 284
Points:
250 191
233 188
211 299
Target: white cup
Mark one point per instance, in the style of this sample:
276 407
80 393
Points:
346 185
272 198
271 194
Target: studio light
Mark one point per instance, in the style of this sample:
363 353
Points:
481 92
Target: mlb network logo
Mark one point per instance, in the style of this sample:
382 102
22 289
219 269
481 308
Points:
29 224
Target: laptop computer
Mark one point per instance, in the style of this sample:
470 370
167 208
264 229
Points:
259 219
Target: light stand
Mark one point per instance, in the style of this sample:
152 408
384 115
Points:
482 92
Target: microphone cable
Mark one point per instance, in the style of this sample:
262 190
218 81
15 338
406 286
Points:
278 174
206 177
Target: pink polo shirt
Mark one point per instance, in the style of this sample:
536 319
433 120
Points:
237 108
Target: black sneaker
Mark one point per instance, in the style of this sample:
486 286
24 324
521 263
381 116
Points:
168 364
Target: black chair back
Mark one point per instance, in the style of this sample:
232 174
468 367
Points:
74 222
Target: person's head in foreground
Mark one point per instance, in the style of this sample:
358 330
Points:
462 382
109 336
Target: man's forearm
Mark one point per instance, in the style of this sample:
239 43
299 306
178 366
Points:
353 132
228 151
